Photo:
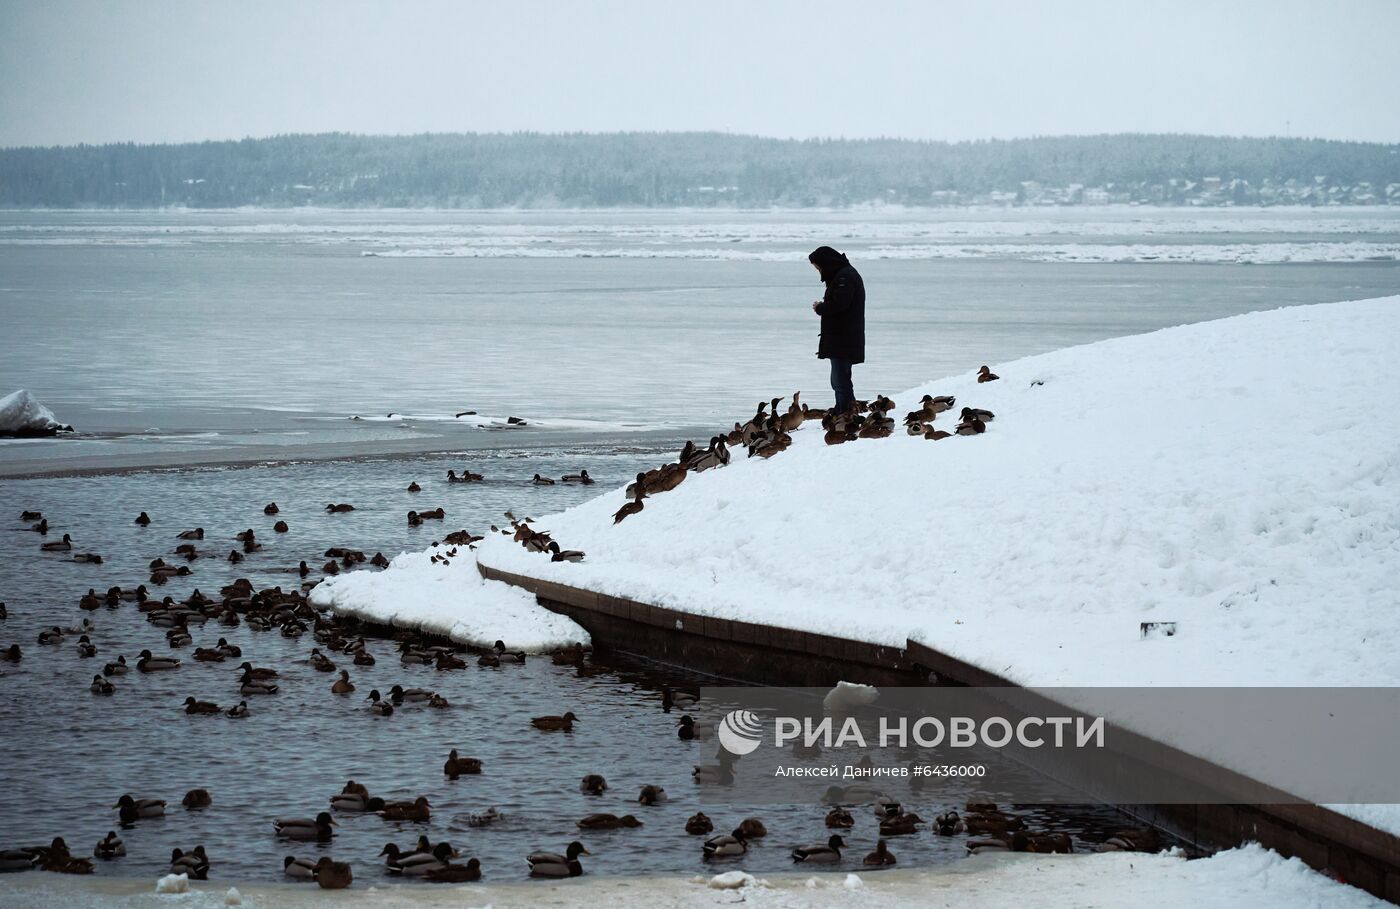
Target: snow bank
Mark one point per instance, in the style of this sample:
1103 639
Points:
449 599
1239 477
21 415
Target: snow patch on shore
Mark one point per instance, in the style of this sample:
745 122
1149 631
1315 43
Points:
450 599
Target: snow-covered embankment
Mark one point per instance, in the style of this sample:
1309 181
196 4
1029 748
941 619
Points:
449 598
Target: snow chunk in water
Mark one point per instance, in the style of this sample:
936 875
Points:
22 415
448 598
173 883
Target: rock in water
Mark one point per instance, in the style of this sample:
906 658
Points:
23 417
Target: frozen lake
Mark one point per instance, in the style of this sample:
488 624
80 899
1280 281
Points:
250 331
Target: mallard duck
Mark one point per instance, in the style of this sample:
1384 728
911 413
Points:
988 844
194 865
333 875
839 818
30 515
505 656
227 649
726 845
350 801
101 686
110 846
604 821
698 824
884 805
320 662
581 477
416 810
447 662
417 863
196 534
948 823
151 663
984 374
414 487
484 818
593 784
821 853
900 824
363 658
332 508
296 828
1142 839
206 654
12 860
63 545
752 828
563 555
248 686
542 481
456 874
13 654
257 672
299 869
379 707
977 413
934 435
552 864
457 766
238 713
342 685
687 729
131 809
200 708
991 821
87 558
398 694
1043 843
652 795
881 857
633 507
673 698
196 799
550 723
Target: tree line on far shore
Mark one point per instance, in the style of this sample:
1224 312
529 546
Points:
674 169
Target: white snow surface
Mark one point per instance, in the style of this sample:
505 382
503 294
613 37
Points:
20 412
1243 878
1239 477
449 599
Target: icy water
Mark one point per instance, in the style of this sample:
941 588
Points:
68 755
175 338
184 335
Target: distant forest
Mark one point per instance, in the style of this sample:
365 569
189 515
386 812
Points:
683 169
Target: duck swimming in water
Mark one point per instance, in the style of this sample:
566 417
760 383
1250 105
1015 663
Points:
821 853
552 864
64 545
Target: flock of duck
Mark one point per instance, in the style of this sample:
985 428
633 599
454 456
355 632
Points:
292 616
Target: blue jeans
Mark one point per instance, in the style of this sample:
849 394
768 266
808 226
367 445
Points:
841 384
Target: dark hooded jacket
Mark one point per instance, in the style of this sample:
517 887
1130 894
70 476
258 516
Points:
842 308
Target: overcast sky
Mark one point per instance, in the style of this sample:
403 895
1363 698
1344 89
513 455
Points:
153 71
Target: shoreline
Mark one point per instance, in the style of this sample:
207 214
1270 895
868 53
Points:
1250 876
147 460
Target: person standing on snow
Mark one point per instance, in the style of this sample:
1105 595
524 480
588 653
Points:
842 310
